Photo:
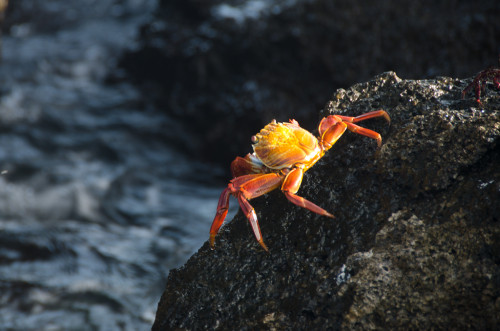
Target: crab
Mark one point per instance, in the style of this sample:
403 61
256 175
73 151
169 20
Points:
283 152
479 82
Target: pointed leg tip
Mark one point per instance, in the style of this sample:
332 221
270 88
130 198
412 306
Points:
212 242
261 242
386 116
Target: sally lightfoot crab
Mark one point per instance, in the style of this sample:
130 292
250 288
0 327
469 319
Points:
282 153
479 82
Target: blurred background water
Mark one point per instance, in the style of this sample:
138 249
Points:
95 204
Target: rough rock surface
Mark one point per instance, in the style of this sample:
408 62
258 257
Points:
226 68
415 242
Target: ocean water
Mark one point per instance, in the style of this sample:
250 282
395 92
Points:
96 205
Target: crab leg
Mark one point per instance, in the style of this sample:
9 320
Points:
250 164
333 134
349 121
291 185
333 126
249 212
245 188
365 132
362 117
466 90
220 215
255 187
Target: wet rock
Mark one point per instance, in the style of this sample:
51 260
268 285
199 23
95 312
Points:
414 243
226 68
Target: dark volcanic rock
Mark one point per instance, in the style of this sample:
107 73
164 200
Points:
226 68
415 242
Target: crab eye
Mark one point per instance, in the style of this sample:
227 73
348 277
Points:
255 139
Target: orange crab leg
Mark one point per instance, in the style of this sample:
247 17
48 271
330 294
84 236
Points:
291 185
246 165
245 188
349 121
333 134
362 117
365 132
255 187
220 215
249 212
333 126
